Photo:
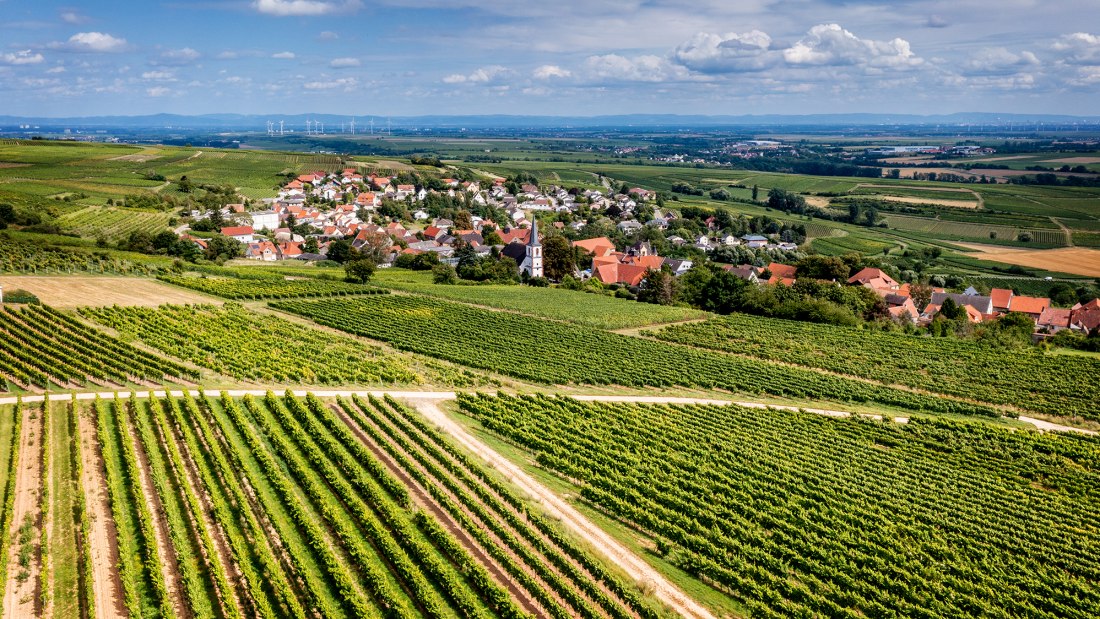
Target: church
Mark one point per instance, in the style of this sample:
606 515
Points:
528 256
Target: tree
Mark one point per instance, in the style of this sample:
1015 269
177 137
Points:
951 310
921 295
463 220
311 246
558 257
659 287
1062 294
221 247
823 267
723 292
7 215
341 251
755 193
359 270
444 274
376 246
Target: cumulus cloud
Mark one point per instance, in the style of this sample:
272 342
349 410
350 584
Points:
93 42
343 63
286 8
284 55
831 45
647 68
21 57
999 61
726 53
1079 48
158 91
550 71
484 75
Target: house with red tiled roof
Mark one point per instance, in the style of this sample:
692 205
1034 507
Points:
904 309
783 271
515 235
1002 298
1085 316
240 233
598 247
874 278
619 273
264 250
1032 306
1054 319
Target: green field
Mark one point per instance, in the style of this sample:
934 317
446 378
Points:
599 311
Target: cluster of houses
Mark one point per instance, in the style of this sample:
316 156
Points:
1083 317
307 201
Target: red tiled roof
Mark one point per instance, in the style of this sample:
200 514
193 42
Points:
600 246
618 273
237 230
1028 305
1054 317
783 270
1001 297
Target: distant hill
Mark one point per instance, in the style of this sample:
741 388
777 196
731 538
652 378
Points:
502 121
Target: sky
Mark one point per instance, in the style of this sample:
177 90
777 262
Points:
556 57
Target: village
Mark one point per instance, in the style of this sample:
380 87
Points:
385 219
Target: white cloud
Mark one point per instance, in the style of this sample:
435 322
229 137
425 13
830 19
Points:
21 57
1079 48
160 76
97 42
831 45
158 91
550 71
286 8
726 53
341 63
483 75
328 35
999 61
648 68
284 55
178 57
73 17
55 70
346 83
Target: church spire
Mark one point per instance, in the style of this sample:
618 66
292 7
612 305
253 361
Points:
534 242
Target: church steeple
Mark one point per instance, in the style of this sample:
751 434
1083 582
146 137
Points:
532 263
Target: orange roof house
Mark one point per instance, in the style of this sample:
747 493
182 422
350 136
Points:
1002 298
1032 306
619 273
600 246
873 278
784 271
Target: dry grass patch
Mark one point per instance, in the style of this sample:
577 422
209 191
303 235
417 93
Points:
69 292
1075 260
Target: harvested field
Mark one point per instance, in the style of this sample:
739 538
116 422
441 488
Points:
936 201
69 292
817 201
1074 260
992 159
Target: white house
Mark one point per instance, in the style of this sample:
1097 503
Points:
264 219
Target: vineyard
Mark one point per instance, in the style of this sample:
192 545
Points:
246 345
550 352
42 348
113 223
975 231
17 256
601 312
792 514
279 507
269 288
944 365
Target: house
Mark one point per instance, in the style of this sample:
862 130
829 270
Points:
619 273
678 266
262 220
264 250
1054 319
598 247
1002 298
1085 316
902 306
875 279
630 225
983 304
528 256
746 272
755 241
1032 306
784 271
243 234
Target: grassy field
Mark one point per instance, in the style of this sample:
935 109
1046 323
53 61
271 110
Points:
599 311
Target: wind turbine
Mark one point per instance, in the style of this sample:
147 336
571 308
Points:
308 124
280 127
372 125
322 127
353 125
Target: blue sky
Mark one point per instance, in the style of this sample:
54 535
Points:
577 57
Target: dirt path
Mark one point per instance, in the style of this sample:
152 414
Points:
638 570
634 331
1066 229
21 597
102 537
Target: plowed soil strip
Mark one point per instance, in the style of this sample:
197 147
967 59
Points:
21 597
102 537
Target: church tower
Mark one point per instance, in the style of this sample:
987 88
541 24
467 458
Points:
532 264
